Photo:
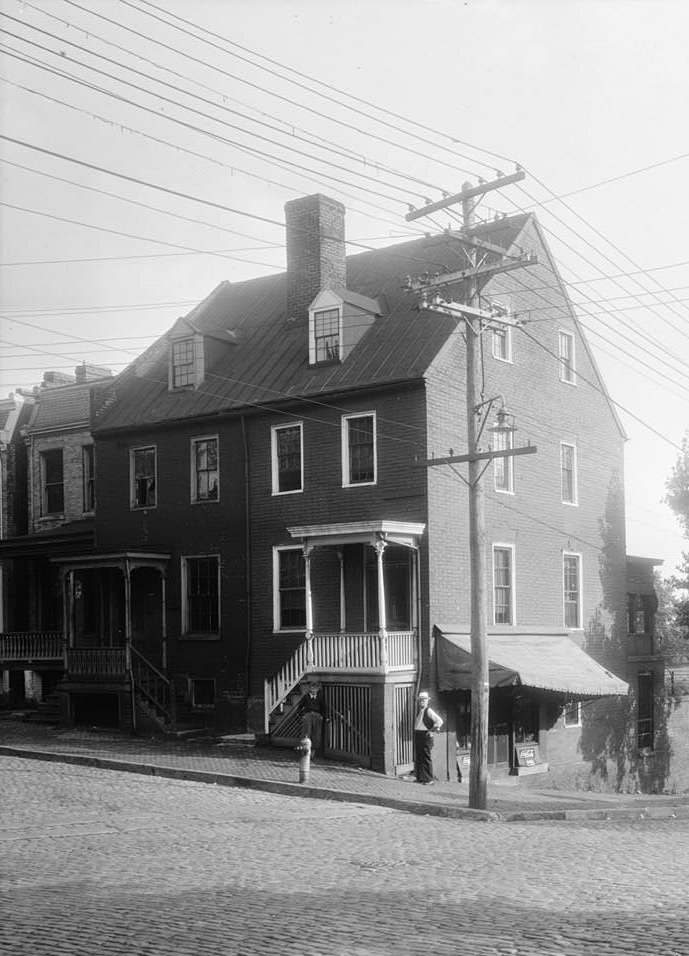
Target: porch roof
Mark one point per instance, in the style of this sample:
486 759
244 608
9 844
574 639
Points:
113 559
406 533
547 660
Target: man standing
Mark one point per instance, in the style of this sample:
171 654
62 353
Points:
427 723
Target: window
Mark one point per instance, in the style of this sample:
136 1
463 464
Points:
202 692
572 589
568 473
143 472
287 458
326 335
503 468
52 478
645 730
88 471
503 586
183 363
641 609
204 469
571 715
289 581
359 449
502 343
566 352
201 606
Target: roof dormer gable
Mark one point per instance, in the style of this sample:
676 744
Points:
186 357
338 319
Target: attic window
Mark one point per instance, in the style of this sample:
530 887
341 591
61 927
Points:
327 336
183 366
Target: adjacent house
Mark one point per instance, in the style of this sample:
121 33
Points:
266 514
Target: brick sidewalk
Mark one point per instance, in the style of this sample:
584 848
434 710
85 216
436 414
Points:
236 761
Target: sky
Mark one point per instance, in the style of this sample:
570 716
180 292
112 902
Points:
148 149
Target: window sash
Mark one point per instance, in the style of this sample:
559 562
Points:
572 714
503 468
501 343
291 589
502 585
572 590
144 474
326 335
205 469
183 361
568 473
361 452
53 482
566 352
88 459
288 458
203 598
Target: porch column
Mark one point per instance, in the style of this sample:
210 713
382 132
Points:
343 609
382 615
307 548
128 615
68 613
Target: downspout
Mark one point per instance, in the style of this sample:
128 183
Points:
247 558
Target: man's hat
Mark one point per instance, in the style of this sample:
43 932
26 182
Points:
423 695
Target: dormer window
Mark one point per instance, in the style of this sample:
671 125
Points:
183 365
326 334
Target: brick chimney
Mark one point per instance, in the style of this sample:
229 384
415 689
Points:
315 251
90 373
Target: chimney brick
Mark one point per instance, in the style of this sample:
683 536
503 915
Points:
315 251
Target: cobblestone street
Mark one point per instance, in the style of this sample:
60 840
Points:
115 863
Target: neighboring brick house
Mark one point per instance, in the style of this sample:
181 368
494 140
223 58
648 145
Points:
54 489
264 466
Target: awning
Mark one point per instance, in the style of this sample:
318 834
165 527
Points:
551 661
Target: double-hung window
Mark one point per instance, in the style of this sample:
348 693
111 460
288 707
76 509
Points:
183 366
52 480
143 477
287 452
88 473
568 473
566 358
201 594
326 335
503 584
359 449
571 715
503 468
571 568
502 343
204 469
289 589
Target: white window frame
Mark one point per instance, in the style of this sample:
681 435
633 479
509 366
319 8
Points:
346 419
504 546
192 692
175 343
43 459
578 626
326 301
88 477
195 499
186 632
275 460
575 481
571 707
568 374
508 464
277 607
507 329
132 477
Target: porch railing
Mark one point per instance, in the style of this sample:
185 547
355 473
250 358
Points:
154 689
96 661
31 646
340 653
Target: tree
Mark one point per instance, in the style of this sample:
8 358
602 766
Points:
677 497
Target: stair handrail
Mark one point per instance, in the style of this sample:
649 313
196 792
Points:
276 689
162 697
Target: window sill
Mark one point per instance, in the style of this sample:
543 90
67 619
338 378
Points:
279 632
293 491
360 484
205 501
199 637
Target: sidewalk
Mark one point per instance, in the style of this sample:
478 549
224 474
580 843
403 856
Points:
235 761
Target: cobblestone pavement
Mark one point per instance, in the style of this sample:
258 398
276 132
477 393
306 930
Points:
120 864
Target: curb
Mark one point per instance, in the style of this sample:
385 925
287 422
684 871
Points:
252 783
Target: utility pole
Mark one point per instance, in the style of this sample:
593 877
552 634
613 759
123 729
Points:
475 320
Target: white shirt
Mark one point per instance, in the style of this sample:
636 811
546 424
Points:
419 723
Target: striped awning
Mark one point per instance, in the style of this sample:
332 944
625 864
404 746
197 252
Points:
550 661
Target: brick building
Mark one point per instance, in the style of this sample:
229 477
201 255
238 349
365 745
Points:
266 515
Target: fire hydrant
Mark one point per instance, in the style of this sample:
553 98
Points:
304 751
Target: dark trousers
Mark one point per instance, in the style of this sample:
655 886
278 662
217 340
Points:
423 763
